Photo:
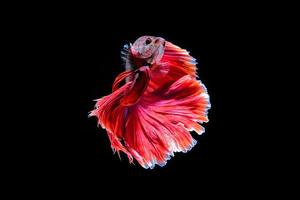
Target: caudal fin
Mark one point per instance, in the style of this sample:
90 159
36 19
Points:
160 125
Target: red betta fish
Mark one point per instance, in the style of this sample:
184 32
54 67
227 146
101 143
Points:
151 115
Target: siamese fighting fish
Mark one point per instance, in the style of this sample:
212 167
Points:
155 103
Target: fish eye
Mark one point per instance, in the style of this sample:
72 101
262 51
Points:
148 41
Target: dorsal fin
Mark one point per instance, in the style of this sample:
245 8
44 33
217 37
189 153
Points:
179 59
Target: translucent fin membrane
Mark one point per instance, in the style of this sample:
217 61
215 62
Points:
159 125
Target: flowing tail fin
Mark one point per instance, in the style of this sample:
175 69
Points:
158 125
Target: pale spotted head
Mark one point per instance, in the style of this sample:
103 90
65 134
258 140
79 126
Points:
149 48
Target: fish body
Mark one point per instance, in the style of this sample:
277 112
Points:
150 117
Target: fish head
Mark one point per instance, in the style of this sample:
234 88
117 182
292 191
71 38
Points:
149 48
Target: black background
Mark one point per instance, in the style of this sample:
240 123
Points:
93 61
77 56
